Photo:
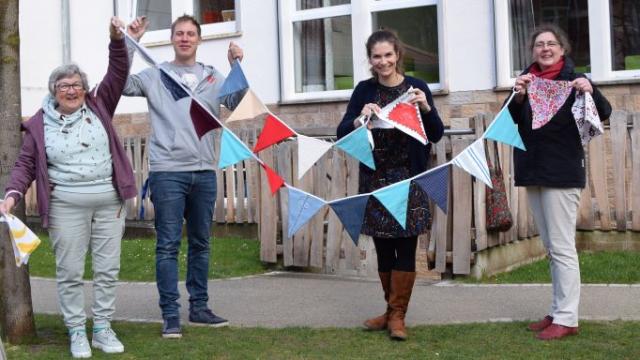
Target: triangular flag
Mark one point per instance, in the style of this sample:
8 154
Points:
309 151
141 50
275 181
177 92
302 207
232 150
473 160
394 198
23 240
234 82
587 118
503 129
406 118
273 131
350 211
546 97
357 145
435 184
203 121
248 108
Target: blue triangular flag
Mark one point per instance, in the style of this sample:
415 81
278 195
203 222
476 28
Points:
394 198
234 82
172 86
232 150
350 211
436 185
503 129
302 207
357 145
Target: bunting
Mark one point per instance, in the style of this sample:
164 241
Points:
275 181
394 198
23 240
248 108
235 81
309 151
273 131
435 183
546 97
350 211
406 117
302 207
357 145
505 130
144 54
587 118
473 160
176 90
202 120
232 150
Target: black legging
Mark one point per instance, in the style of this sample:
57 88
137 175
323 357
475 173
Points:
396 253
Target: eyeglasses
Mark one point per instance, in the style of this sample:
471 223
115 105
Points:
67 87
550 44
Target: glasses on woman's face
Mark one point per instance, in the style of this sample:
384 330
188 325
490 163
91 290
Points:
66 87
549 44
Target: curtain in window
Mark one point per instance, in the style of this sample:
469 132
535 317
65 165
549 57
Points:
522 23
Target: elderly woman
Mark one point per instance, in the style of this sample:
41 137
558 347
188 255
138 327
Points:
397 156
552 170
82 179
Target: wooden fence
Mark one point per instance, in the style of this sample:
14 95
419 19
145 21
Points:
607 203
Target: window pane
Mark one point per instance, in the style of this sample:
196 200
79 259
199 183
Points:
570 16
418 30
322 54
214 11
625 34
312 4
157 11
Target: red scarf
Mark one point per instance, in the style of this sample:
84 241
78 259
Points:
550 73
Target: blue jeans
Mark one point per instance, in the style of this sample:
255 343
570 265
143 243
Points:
176 196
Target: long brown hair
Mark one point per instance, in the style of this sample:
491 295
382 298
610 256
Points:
390 37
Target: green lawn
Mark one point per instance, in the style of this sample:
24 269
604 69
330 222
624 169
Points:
230 257
603 267
598 340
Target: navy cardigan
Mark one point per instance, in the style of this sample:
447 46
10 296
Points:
365 93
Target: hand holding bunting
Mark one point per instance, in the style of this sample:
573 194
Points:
23 240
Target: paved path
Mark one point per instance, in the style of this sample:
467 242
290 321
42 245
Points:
290 299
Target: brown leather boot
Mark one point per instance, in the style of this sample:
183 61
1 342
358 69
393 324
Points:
401 288
380 322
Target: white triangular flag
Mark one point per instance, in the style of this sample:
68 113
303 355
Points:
473 160
309 151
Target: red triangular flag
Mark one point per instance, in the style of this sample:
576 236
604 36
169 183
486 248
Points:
406 116
273 132
203 122
275 181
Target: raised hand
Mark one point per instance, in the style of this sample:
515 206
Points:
114 29
235 52
138 27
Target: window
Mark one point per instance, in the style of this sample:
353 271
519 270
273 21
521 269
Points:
604 36
323 53
215 16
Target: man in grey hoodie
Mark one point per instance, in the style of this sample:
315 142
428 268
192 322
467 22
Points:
182 179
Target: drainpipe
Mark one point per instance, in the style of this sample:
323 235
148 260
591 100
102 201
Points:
66 31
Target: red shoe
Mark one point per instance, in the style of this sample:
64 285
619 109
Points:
555 331
541 325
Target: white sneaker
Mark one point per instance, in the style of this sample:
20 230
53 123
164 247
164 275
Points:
80 345
106 340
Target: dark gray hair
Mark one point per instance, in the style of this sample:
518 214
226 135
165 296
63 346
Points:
66 71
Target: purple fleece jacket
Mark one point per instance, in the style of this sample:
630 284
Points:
102 100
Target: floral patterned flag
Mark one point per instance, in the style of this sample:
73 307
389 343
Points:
546 97
587 118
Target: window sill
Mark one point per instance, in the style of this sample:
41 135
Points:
204 38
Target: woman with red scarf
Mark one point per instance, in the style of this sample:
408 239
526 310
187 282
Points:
553 171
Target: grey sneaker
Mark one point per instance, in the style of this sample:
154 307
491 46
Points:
208 318
171 328
105 339
79 344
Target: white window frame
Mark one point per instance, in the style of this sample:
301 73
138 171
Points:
599 43
360 12
179 8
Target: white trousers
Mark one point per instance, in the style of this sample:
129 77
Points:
78 222
555 211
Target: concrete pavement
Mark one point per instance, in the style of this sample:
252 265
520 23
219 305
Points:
284 299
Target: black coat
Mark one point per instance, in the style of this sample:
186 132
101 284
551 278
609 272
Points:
554 155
